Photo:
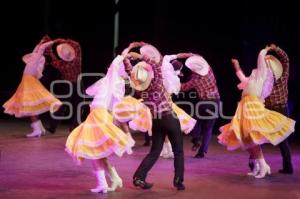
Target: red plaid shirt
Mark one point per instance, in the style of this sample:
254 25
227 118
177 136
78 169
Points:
155 96
279 94
69 70
206 86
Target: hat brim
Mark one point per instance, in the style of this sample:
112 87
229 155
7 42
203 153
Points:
60 52
137 84
275 66
198 65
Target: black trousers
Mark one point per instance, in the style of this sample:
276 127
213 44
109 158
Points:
169 126
284 145
206 117
147 138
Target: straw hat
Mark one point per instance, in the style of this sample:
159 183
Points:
197 64
141 76
66 52
275 65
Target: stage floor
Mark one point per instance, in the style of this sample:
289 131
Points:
39 168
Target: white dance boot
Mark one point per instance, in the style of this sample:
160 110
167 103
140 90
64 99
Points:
115 179
38 129
130 136
164 150
255 170
42 128
169 153
264 168
101 182
129 150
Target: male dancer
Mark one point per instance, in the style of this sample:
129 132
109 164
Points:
155 96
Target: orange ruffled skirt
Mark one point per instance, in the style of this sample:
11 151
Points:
187 123
253 125
31 98
97 137
133 111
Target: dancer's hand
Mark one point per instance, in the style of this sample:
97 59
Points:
45 39
59 40
267 48
236 64
136 44
125 52
131 46
184 55
273 46
45 45
133 56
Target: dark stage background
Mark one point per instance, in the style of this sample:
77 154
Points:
218 30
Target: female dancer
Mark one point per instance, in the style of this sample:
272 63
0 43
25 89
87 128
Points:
253 124
98 137
32 98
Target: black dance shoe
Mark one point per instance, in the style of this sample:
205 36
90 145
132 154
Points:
286 171
199 155
147 143
251 165
178 184
195 146
51 130
142 183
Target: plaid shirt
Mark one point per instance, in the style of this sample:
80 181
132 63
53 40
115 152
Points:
155 96
206 86
279 94
69 69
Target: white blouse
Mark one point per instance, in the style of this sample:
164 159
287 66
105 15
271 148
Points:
109 89
35 67
170 79
260 82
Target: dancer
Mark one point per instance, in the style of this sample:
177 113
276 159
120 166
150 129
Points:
65 56
31 98
138 116
203 80
98 137
147 79
278 99
171 69
253 124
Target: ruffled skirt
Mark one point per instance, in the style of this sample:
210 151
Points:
97 137
139 116
253 124
31 98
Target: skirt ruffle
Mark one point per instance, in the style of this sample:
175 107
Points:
97 137
139 116
134 112
187 123
31 98
253 124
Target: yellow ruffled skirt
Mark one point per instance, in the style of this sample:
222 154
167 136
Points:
133 111
31 98
97 137
187 123
139 116
253 124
